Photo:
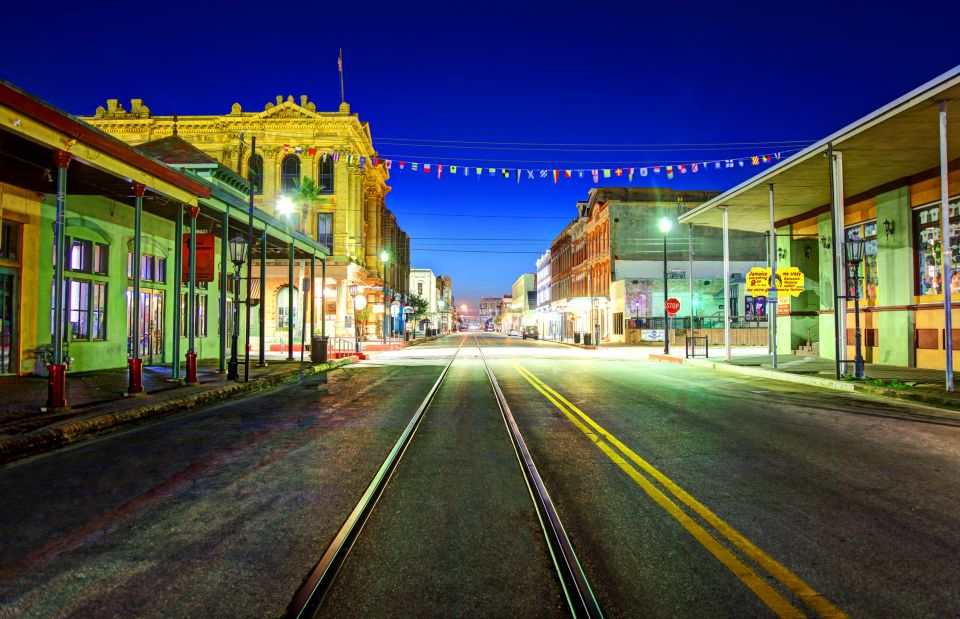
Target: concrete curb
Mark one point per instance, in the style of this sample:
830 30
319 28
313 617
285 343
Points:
816 381
582 346
71 431
915 395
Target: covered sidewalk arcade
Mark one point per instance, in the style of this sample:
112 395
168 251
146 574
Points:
887 179
46 152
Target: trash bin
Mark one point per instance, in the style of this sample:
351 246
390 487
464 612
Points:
318 349
586 339
576 337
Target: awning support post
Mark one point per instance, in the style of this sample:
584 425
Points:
224 261
134 362
946 252
839 265
262 360
772 293
191 378
57 370
726 283
177 291
290 306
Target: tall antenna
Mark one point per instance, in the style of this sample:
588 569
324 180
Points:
340 69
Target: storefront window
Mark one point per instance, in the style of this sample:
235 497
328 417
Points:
866 272
927 237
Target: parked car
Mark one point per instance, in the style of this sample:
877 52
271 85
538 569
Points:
531 332
513 333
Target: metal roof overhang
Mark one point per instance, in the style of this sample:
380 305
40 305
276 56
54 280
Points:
27 118
894 143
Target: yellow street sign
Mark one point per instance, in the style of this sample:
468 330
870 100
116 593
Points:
789 282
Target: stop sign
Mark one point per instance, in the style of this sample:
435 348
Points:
672 305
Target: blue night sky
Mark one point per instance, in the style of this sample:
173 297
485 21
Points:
583 73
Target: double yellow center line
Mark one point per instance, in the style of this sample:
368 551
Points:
758 584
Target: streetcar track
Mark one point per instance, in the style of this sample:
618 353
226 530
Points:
578 594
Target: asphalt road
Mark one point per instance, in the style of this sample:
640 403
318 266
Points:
686 492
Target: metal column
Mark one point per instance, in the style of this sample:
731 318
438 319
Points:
666 295
134 362
290 305
192 300
693 330
772 293
323 296
313 297
726 282
947 254
224 261
56 371
839 264
262 360
177 291
246 336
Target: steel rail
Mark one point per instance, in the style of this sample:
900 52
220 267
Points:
308 598
576 587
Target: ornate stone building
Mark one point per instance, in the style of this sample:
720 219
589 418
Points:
295 141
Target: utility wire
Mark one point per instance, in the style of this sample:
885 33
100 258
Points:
759 142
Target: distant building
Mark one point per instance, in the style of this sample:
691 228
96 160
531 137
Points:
523 308
603 274
445 303
489 308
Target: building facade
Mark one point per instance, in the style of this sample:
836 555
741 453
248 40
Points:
881 181
604 274
446 306
295 141
116 283
524 305
488 310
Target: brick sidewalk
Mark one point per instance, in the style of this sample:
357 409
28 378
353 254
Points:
97 402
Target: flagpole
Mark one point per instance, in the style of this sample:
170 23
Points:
340 69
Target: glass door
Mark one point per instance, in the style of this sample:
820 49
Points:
8 320
150 323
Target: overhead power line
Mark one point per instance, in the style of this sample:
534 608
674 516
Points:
646 145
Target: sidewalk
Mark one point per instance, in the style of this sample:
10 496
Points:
97 403
924 386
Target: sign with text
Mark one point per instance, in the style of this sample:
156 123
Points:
206 257
789 282
651 335
672 306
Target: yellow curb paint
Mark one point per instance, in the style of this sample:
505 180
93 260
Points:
793 582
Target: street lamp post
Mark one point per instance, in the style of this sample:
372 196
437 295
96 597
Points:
238 254
854 250
384 259
665 229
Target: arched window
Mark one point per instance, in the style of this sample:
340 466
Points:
290 174
325 175
255 173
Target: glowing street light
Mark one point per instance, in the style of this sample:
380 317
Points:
285 205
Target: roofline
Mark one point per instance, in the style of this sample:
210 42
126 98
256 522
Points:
56 118
917 95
